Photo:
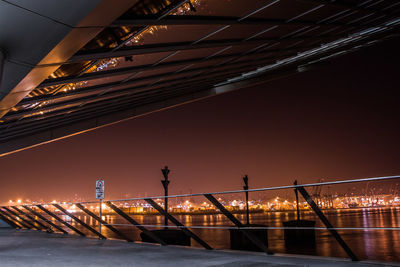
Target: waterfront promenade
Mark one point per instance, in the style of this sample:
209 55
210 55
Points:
34 248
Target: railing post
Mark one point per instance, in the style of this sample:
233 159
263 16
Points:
79 221
135 223
233 219
88 212
328 225
45 219
11 223
177 223
60 220
165 184
14 220
246 187
31 218
26 222
297 201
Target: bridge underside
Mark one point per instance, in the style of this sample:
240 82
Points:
69 68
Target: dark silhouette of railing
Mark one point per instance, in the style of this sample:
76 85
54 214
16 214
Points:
33 216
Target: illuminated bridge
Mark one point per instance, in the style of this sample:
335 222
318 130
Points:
72 66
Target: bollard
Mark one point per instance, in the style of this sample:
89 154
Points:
240 241
169 236
298 238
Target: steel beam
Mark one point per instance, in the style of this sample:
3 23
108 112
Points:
17 222
8 221
19 128
169 47
345 5
130 70
60 220
120 105
59 123
16 127
86 113
78 121
141 20
25 221
330 51
134 69
127 96
37 214
20 224
79 221
97 218
178 223
31 218
173 46
235 221
229 87
170 8
217 74
116 84
321 37
325 221
135 223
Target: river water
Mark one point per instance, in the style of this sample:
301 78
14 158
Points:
366 244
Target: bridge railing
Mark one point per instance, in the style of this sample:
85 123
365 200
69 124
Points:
204 219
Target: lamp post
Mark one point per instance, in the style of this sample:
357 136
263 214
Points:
297 201
165 184
246 187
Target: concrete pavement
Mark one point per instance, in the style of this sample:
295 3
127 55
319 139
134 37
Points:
34 248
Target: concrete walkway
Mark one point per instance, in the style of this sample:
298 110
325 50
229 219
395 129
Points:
33 248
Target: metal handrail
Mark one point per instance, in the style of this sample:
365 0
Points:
381 178
258 227
237 224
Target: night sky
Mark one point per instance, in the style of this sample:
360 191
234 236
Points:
340 120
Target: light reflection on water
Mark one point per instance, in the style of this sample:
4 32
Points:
366 244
